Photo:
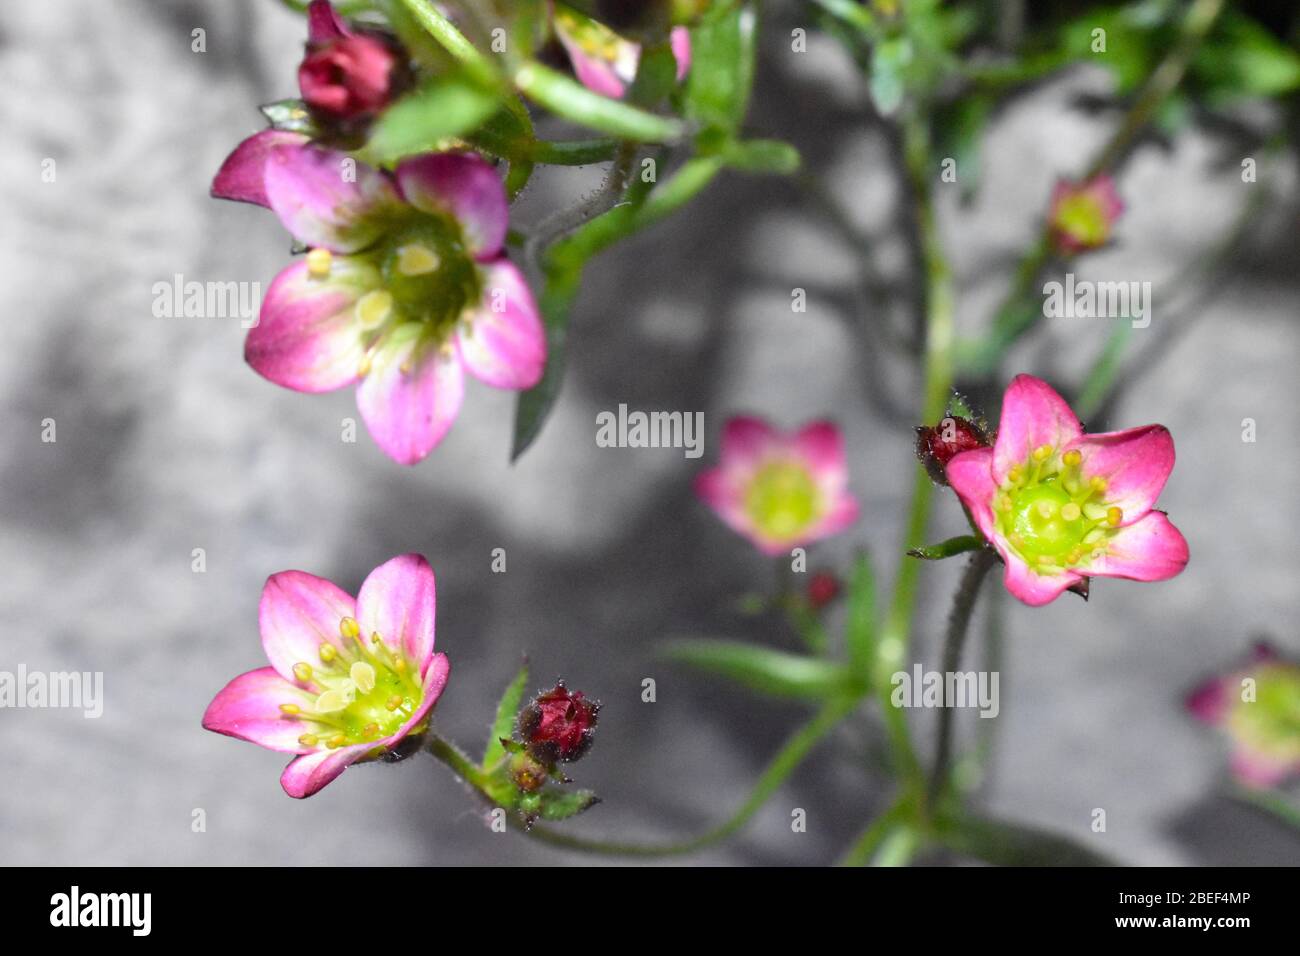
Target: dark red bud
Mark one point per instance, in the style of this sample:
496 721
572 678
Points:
349 78
823 588
938 445
558 725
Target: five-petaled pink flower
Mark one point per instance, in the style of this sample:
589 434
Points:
604 61
1082 216
1060 505
1258 706
346 74
780 490
350 679
404 289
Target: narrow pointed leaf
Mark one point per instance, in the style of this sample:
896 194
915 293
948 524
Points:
778 673
503 725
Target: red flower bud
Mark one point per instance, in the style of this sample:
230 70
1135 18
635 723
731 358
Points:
823 587
558 725
938 445
349 77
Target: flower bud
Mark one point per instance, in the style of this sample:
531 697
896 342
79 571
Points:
558 725
1083 215
348 75
938 445
823 588
528 774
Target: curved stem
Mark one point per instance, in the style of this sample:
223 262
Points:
958 624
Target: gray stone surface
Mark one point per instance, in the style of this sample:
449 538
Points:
168 442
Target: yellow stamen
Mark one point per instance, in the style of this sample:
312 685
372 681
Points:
1042 453
349 627
290 709
309 740
1097 483
328 653
1072 458
1114 516
319 262
393 702
302 670
335 742
370 730
1070 511
416 260
374 308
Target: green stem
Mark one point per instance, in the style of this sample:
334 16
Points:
437 25
864 847
787 759
455 758
958 625
1273 803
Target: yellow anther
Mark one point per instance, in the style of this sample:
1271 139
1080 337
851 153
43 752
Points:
331 701
1004 502
1073 458
363 367
1097 483
309 740
1042 453
363 675
335 742
374 308
319 262
416 260
399 665
328 653
1045 559
393 702
290 709
302 670
1074 557
349 627
1070 511
1015 473
370 730
1114 516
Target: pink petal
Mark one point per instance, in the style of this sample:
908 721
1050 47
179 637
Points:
1135 463
324 23
502 342
249 708
398 600
327 198
307 337
241 176
970 474
746 440
715 490
595 73
1260 770
843 513
1150 549
298 613
309 773
465 187
1212 700
412 394
680 39
1029 586
821 445
1033 414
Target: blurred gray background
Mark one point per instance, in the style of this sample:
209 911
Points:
168 442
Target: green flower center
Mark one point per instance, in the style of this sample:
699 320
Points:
1082 216
1051 515
782 499
363 693
428 272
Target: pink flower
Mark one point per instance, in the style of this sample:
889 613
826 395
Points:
405 287
1258 706
1061 506
604 61
345 75
350 680
1083 215
780 490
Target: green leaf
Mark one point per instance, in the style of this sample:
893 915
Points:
889 63
772 672
555 803
947 549
503 725
762 156
426 118
1242 59
534 405
570 99
722 68
860 625
291 115
1010 844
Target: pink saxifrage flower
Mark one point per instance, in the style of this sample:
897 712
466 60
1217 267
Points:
780 490
405 287
1082 216
1261 717
1061 506
350 679
604 61
346 74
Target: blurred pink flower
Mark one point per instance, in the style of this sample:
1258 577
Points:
404 289
349 681
1060 505
603 61
780 490
1262 718
1082 215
